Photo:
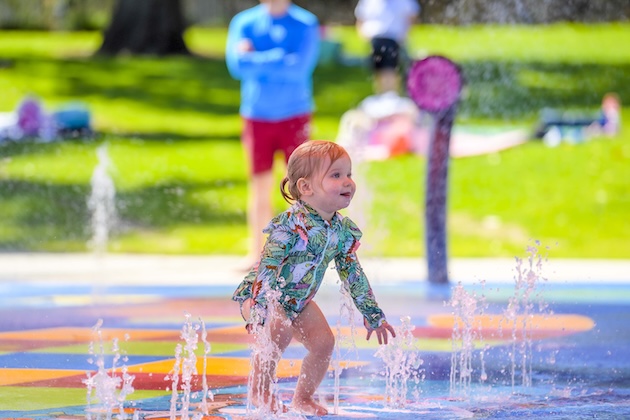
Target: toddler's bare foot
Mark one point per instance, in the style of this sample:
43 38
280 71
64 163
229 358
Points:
308 407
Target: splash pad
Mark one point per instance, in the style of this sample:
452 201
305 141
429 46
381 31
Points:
569 340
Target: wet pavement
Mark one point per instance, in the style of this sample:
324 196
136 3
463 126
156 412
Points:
63 314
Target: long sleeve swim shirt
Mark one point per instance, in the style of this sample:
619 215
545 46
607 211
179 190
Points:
276 68
294 260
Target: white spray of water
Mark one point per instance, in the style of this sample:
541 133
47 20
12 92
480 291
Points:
262 390
347 312
174 377
466 307
353 135
353 130
102 202
105 387
519 314
402 365
185 369
518 319
207 394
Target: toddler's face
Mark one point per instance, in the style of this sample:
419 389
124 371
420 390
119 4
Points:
335 188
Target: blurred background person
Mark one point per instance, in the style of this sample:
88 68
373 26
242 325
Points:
272 48
385 24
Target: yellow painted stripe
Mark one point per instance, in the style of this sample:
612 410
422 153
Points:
229 366
570 322
10 376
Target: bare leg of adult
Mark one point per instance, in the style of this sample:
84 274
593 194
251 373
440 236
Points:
259 213
271 341
312 330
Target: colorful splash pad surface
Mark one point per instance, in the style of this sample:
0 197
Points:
580 351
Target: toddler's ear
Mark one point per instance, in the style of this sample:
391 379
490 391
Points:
304 187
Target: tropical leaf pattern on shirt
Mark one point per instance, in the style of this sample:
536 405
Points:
300 245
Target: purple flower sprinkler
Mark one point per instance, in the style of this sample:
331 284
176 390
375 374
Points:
435 84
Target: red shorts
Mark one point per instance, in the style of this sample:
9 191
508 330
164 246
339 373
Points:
262 139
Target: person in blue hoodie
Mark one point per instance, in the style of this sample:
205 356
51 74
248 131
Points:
272 48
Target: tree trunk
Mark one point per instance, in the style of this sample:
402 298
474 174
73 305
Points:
151 27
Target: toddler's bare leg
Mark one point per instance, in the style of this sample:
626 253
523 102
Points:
312 330
271 342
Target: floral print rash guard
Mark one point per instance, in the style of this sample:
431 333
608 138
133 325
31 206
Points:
294 260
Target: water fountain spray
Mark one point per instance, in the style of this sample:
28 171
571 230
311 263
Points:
102 202
185 368
402 365
517 323
466 330
107 388
520 314
346 311
265 354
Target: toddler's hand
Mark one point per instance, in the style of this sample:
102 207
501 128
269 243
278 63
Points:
381 332
249 314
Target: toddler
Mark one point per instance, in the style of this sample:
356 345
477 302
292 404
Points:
278 293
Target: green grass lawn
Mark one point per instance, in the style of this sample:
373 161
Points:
172 130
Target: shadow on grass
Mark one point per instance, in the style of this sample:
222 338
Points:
40 216
495 89
520 90
34 215
498 90
170 205
170 137
178 83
